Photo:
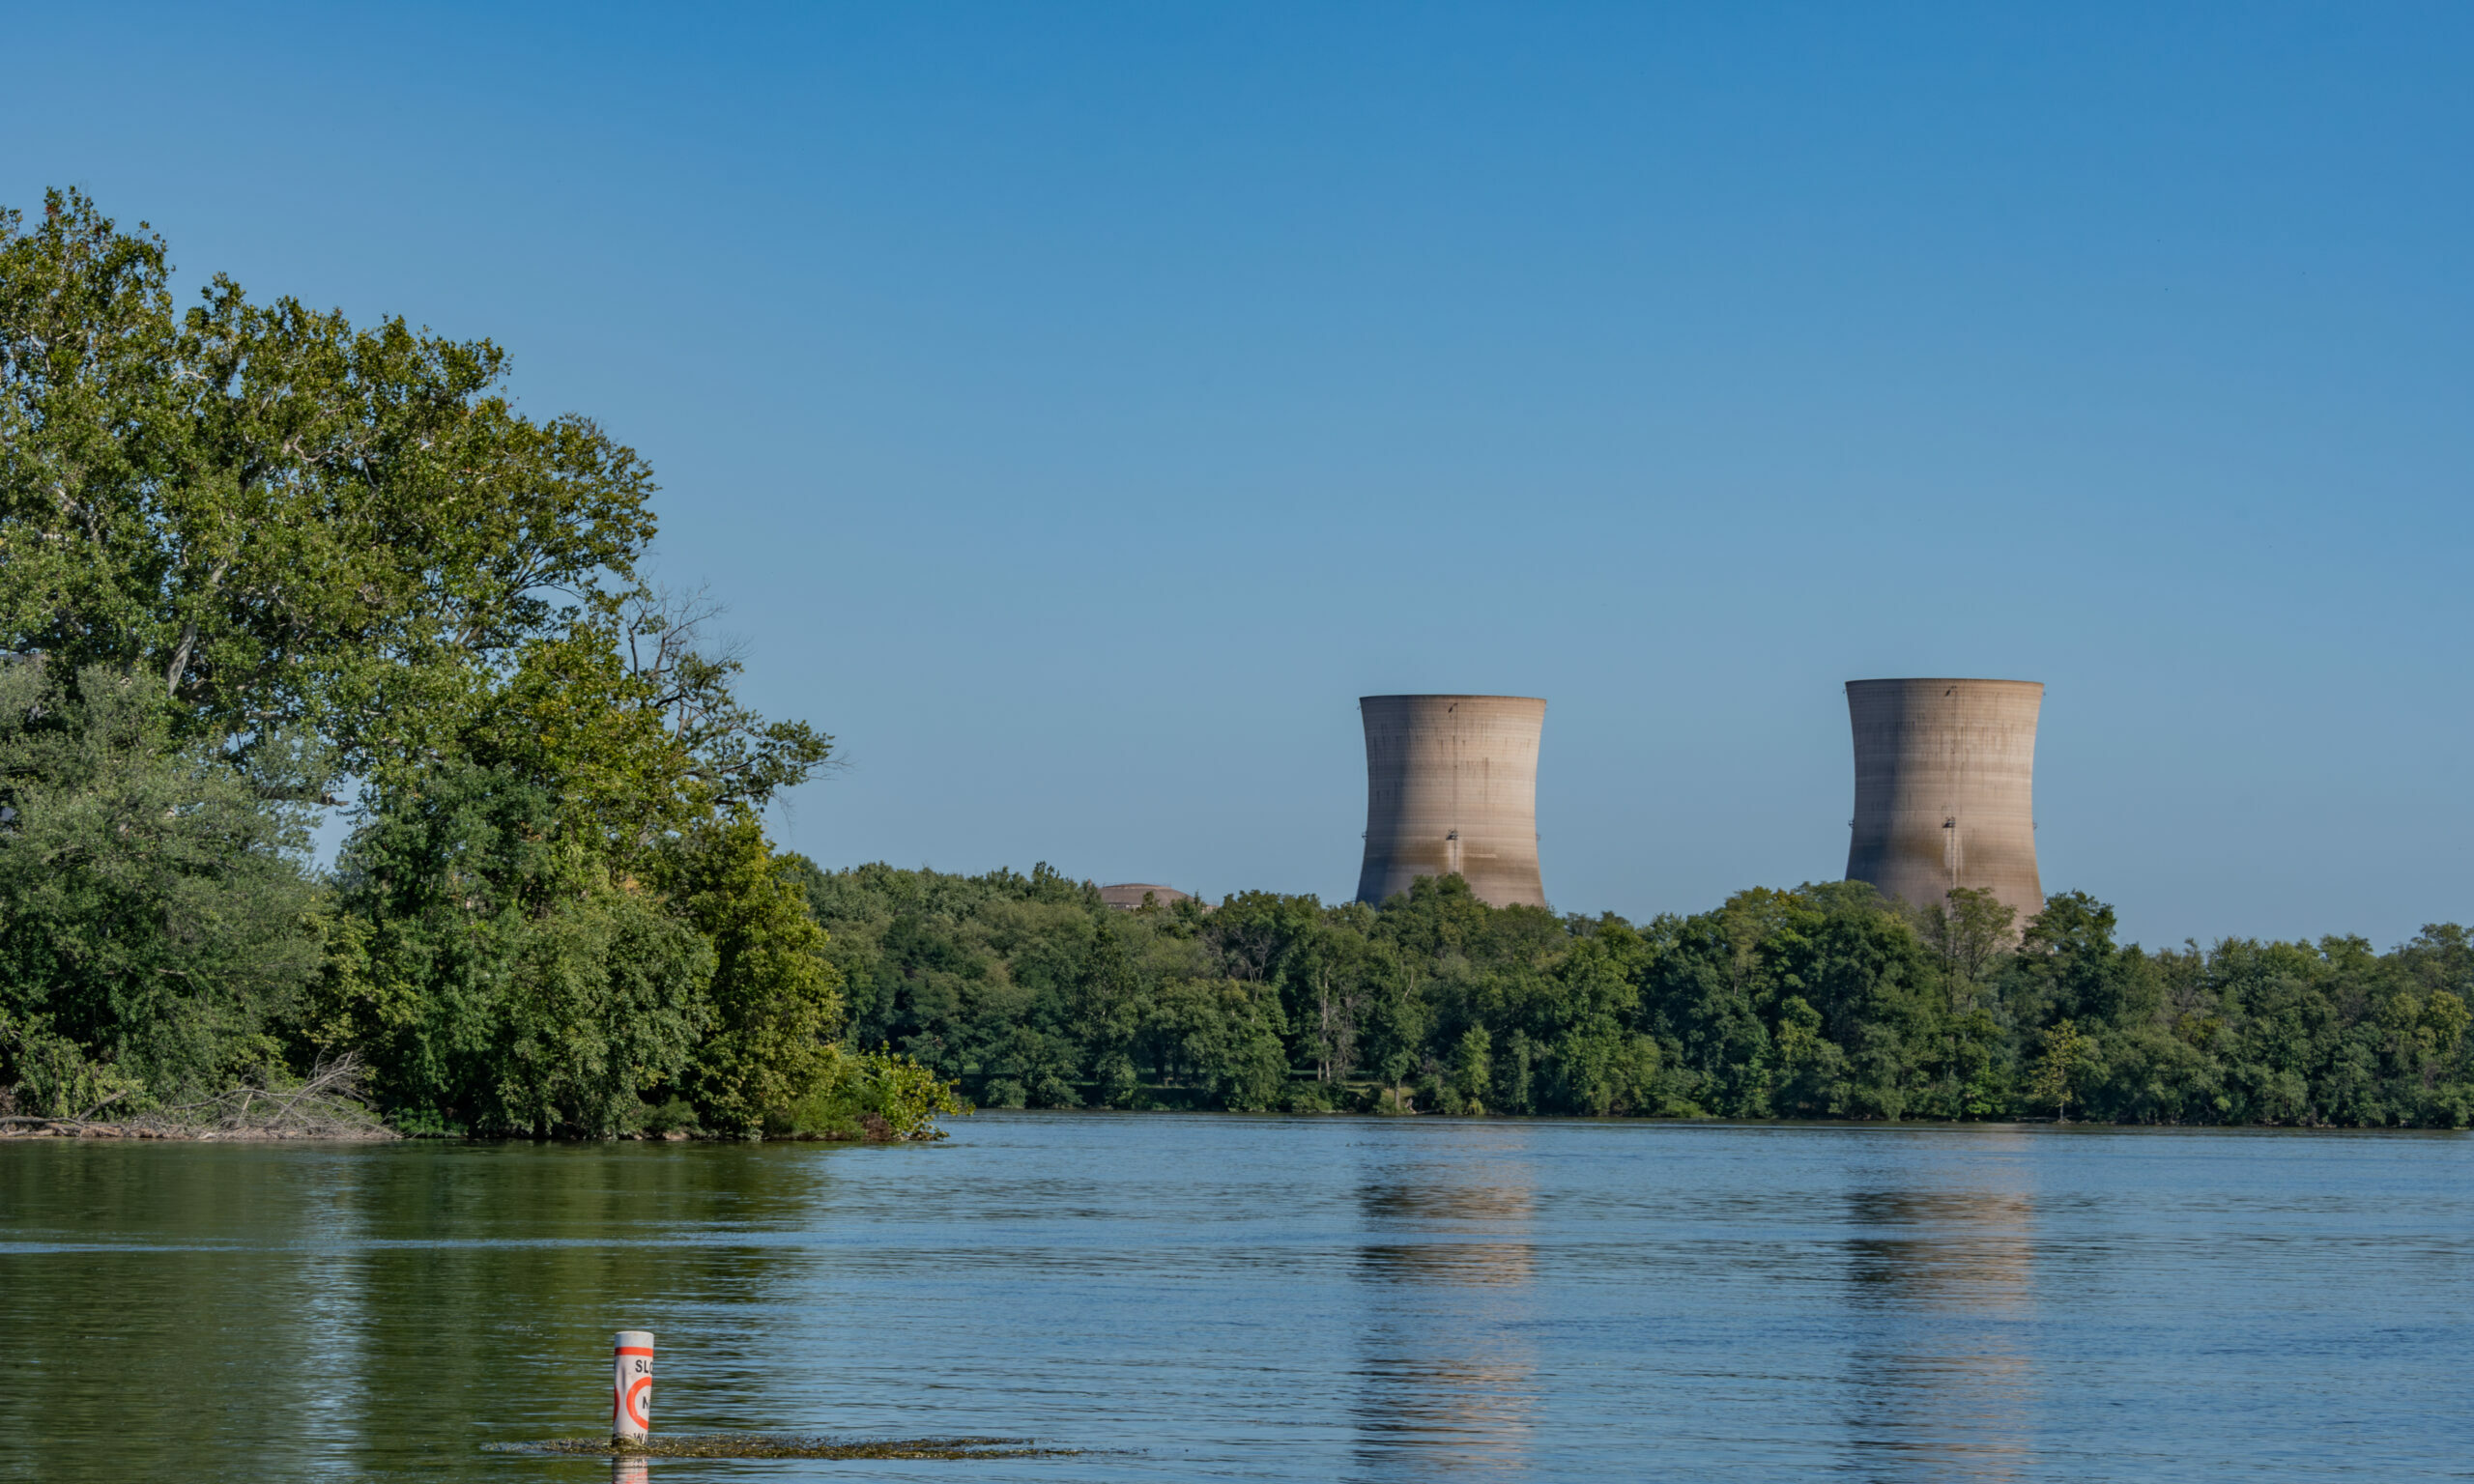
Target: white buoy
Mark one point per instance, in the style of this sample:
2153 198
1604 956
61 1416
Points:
631 1386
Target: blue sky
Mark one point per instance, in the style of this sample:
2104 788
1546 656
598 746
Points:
1079 406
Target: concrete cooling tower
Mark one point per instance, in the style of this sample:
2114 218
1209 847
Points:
1946 789
1451 785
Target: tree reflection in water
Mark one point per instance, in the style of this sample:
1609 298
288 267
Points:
211 1309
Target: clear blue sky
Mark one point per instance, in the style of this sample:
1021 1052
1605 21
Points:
1079 406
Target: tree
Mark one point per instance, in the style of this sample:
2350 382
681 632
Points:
556 902
1222 1037
2067 1056
156 925
497 977
1396 1022
1332 961
775 1000
1811 1068
1967 932
635 730
1472 1074
1971 933
2070 966
288 519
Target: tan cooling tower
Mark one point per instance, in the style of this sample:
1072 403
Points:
1946 789
1451 787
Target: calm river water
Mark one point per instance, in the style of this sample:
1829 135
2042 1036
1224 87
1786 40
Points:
1201 1297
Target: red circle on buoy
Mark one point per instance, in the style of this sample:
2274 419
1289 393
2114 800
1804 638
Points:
635 1414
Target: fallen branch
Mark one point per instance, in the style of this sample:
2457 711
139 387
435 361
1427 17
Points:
326 1106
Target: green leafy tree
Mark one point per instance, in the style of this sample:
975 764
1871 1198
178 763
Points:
1472 1070
1812 1069
873 1096
1222 1037
287 520
497 977
2066 1058
1396 1022
636 730
775 1005
555 903
2068 965
1967 933
156 925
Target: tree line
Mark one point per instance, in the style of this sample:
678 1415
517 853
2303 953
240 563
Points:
255 561
1823 1002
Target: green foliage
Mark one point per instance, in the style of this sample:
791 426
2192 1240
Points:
156 921
496 977
2067 1059
251 523
1820 1002
872 1096
503 981
772 997
285 519
635 730
1219 1036
1470 1080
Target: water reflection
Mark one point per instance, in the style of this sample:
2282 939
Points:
334 1320
1258 1300
1445 1375
1942 1297
345 1309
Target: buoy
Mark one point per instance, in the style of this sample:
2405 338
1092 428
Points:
631 1386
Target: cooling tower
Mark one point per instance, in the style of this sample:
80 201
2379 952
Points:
1946 789
1451 785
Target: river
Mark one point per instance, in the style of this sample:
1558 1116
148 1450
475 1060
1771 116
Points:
1231 1297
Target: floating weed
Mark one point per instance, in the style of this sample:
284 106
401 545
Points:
789 1445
